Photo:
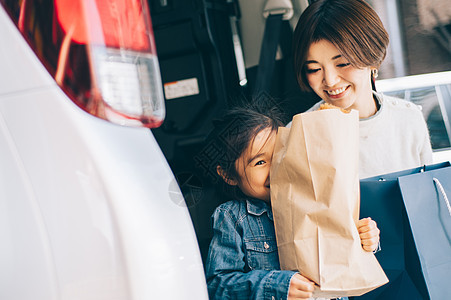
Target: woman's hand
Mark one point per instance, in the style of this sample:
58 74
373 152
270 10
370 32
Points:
300 287
369 234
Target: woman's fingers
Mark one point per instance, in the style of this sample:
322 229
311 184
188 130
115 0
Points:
369 234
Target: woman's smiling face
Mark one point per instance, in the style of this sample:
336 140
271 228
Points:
336 81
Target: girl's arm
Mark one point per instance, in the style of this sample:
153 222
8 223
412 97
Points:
227 277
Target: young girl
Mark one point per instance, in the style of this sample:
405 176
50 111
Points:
243 262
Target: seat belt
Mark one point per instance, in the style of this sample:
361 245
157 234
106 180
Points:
277 14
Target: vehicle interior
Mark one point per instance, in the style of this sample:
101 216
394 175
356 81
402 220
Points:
197 40
213 53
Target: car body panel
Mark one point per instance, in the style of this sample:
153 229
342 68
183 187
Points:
89 209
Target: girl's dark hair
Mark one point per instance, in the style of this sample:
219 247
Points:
352 26
234 132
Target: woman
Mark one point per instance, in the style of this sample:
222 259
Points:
338 46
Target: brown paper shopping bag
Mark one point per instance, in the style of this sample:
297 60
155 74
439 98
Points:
315 202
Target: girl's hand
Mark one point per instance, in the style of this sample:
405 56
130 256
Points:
300 287
369 234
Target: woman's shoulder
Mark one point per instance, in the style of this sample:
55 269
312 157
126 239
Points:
400 110
316 106
394 103
313 108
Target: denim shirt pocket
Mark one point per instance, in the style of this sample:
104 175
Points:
262 253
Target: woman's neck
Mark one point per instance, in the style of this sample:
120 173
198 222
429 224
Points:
369 109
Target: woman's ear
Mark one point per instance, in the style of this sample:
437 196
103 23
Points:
228 180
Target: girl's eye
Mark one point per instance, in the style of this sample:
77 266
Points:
344 65
260 162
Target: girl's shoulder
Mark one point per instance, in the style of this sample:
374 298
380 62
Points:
230 205
238 208
231 209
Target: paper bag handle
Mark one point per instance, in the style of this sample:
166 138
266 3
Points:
442 190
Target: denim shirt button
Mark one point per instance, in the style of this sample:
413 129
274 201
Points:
273 298
265 244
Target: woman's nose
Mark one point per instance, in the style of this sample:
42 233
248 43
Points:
330 77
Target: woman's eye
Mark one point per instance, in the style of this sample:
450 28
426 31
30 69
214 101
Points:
344 65
311 71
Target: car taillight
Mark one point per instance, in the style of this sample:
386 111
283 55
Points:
101 52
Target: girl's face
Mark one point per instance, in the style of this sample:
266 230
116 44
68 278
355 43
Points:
253 166
336 81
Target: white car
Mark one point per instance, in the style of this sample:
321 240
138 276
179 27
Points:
89 208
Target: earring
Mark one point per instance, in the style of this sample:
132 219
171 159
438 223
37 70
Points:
375 73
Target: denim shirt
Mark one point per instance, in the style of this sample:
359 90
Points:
243 262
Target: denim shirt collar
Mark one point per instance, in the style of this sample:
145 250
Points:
258 207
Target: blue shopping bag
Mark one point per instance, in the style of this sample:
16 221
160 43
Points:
412 211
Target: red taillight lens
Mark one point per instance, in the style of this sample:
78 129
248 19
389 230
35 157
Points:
101 52
113 23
